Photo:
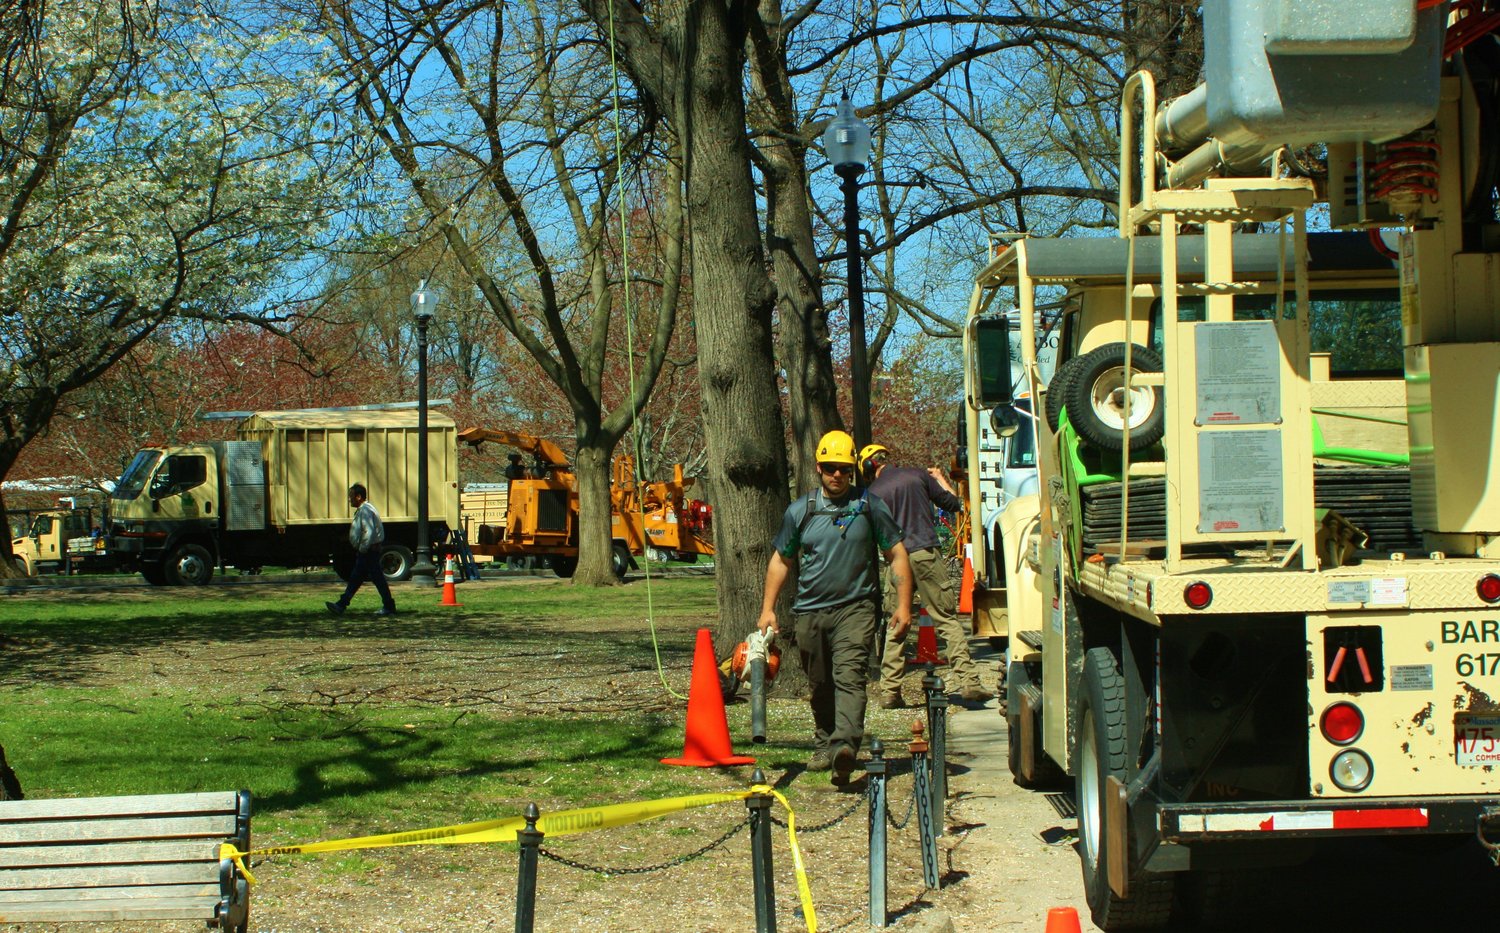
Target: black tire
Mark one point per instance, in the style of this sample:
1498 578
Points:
563 565
1057 390
396 562
189 565
1095 399
19 565
619 559
343 565
1038 771
1101 754
154 574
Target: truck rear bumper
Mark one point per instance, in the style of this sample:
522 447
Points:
1188 822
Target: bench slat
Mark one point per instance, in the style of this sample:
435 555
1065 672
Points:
165 909
109 853
83 807
218 826
109 875
50 895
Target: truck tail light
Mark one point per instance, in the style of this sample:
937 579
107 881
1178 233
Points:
1342 723
1198 595
1489 588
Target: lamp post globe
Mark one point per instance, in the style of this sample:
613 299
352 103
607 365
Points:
847 144
423 306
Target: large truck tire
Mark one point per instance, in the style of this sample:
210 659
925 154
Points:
19 565
1057 390
563 565
619 559
1101 754
189 565
1096 399
343 564
396 562
154 574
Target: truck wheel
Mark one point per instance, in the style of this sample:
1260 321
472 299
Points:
1101 754
1096 399
20 566
619 559
154 575
343 565
563 565
190 565
1057 390
396 562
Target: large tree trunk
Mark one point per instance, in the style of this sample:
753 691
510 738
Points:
805 345
7 553
733 299
591 467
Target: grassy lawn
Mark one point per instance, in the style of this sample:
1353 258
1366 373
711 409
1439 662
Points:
530 691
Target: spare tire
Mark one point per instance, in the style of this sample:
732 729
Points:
1096 399
1057 390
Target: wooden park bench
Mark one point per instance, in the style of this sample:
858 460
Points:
125 858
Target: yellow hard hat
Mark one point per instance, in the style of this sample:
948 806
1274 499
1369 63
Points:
870 451
836 447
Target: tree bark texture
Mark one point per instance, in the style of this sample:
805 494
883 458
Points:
592 473
691 61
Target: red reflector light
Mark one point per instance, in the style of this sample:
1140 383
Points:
1489 588
1342 723
1198 595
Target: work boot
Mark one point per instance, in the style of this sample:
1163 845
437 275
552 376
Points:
892 701
843 764
821 760
335 608
975 694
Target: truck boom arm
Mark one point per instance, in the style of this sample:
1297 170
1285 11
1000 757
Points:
549 452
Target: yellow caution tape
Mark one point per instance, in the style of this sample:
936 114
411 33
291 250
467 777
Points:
561 823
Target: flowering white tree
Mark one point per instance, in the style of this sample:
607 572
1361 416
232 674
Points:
149 171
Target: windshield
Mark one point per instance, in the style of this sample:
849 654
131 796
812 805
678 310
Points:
133 480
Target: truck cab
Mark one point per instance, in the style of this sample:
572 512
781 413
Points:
56 541
165 509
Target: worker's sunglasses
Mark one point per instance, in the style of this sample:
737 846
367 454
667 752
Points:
836 467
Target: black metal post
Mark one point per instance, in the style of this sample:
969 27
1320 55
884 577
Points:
422 572
875 769
937 735
922 792
530 839
859 361
759 806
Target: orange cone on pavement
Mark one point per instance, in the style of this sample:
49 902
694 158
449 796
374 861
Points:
1063 920
450 595
706 744
966 585
927 650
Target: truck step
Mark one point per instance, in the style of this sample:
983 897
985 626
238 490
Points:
1064 804
1031 639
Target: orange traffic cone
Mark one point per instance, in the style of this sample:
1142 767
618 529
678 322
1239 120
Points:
450 595
927 652
707 742
966 585
1063 920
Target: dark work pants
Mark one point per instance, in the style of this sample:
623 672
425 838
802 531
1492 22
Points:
367 567
834 645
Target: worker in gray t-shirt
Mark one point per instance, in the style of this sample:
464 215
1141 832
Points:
834 534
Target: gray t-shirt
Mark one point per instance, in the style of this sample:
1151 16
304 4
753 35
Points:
911 494
838 541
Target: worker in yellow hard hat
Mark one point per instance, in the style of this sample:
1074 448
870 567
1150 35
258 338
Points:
834 533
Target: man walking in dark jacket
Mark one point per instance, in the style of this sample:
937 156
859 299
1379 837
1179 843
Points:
366 535
911 493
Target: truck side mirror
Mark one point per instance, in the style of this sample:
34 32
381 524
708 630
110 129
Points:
992 361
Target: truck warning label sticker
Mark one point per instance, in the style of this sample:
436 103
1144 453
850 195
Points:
1239 373
1239 481
1411 676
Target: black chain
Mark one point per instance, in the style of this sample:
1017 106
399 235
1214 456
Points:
647 869
911 804
829 824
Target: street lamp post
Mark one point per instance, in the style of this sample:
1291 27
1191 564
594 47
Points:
423 306
847 143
